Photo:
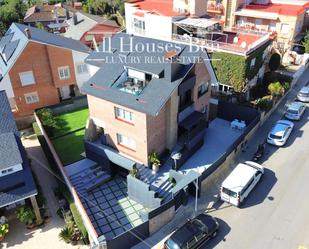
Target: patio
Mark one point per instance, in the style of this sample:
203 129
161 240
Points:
107 205
218 138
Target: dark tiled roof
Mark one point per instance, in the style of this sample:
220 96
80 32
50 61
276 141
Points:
9 152
52 39
158 91
7 122
19 185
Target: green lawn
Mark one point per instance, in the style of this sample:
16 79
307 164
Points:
70 147
71 121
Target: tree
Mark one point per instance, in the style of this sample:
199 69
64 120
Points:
276 89
306 42
274 62
11 11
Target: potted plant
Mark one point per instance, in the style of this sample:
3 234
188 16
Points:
155 161
4 229
172 180
66 233
26 215
135 173
76 236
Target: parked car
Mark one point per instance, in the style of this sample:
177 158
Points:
240 182
303 94
194 233
295 110
280 133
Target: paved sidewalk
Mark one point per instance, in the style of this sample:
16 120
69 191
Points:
209 202
46 237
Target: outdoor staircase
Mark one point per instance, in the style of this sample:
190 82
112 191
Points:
158 182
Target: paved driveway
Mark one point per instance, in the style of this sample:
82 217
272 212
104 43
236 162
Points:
46 237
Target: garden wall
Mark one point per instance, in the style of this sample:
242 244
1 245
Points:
91 231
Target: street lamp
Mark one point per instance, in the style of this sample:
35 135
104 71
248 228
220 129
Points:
176 156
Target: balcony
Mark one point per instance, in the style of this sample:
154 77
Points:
241 43
215 8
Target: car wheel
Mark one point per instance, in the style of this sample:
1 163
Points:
214 234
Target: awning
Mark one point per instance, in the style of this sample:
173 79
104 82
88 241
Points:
185 181
257 14
116 158
197 22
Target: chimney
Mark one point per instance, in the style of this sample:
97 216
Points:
74 19
173 65
28 33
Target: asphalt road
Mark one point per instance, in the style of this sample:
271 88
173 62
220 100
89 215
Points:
276 213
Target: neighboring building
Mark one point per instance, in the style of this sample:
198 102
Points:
86 27
173 21
146 104
284 17
38 68
16 180
51 16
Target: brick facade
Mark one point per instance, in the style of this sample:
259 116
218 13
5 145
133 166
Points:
151 133
43 60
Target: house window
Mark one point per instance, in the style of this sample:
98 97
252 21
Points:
124 115
202 89
64 73
82 68
26 78
285 28
126 142
31 98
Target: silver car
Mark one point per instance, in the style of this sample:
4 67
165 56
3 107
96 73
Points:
303 94
295 111
280 133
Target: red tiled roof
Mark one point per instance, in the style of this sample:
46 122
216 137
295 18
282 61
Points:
159 7
282 9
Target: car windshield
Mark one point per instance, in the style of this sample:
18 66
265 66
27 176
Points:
293 111
302 94
275 136
200 225
171 244
229 192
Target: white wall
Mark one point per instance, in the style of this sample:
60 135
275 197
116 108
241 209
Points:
129 10
158 27
79 58
6 85
14 168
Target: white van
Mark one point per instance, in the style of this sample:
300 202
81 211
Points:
237 186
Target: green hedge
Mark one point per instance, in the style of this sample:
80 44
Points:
235 70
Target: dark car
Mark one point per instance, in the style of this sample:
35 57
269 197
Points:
194 233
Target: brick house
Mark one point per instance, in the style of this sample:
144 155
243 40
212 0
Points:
39 68
52 17
148 106
284 17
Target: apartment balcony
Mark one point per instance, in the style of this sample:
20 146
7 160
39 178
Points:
231 42
215 8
